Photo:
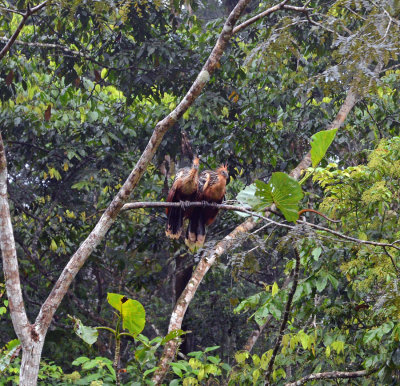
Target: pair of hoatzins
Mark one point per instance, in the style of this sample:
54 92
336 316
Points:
189 185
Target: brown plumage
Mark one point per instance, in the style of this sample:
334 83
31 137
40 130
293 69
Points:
212 188
184 188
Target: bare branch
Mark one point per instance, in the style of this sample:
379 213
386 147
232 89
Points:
275 8
349 238
194 204
259 16
25 16
331 375
392 260
188 204
4 10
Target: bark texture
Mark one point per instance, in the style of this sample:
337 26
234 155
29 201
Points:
30 362
31 341
10 262
330 375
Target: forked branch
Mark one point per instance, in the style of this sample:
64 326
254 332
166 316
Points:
29 12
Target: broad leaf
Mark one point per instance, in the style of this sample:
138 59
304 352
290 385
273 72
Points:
282 190
133 313
248 196
173 335
86 333
320 143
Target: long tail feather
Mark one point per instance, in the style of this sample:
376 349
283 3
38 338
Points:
174 223
196 231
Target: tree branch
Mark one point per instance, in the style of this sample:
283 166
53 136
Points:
188 293
275 8
259 16
188 204
3 9
349 238
10 262
25 16
331 375
352 98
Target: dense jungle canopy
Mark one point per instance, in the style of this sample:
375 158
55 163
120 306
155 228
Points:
274 298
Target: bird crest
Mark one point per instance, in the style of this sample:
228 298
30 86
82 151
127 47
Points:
195 162
223 169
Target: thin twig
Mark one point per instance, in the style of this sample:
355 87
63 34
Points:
3 9
392 259
189 204
285 316
342 236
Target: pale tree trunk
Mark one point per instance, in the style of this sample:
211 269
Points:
331 375
22 327
31 362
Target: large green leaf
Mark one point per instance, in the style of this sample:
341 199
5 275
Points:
86 333
133 313
282 190
319 145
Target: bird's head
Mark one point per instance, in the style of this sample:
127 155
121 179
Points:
196 161
223 171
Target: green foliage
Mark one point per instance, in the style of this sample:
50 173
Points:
87 334
265 304
10 350
200 368
319 145
98 369
281 190
132 312
49 373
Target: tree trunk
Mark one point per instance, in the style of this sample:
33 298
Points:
30 363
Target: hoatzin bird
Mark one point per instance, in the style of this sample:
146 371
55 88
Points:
184 188
212 188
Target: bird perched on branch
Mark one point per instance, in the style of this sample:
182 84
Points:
211 188
184 188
